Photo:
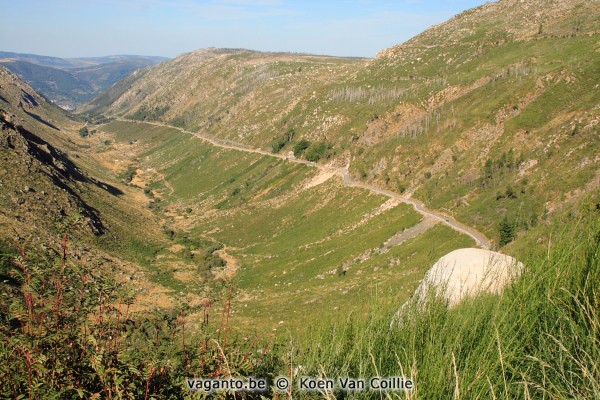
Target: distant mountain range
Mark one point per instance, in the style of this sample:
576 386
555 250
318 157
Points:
69 82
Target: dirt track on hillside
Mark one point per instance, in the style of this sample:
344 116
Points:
479 238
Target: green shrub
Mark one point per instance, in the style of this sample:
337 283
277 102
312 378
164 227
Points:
510 192
128 174
209 260
146 113
84 132
300 147
170 233
66 333
279 142
317 151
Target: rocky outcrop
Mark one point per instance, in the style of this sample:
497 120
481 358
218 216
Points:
39 182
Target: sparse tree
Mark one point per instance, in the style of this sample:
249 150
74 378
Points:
507 231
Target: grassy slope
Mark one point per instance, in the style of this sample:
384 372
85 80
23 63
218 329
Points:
133 235
535 97
425 116
538 340
287 239
540 337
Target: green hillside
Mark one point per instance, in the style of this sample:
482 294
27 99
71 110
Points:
233 213
292 246
472 116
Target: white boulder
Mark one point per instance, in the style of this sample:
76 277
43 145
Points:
468 272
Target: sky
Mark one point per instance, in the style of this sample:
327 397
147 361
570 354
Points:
87 28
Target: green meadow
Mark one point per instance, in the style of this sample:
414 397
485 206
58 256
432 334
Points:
297 247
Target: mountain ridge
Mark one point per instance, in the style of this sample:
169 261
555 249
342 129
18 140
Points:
417 118
77 62
521 21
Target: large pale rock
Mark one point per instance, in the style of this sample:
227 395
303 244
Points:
468 272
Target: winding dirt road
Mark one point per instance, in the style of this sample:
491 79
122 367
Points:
479 238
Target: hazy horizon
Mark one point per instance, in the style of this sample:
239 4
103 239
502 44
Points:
167 28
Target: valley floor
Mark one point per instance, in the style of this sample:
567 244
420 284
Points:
296 235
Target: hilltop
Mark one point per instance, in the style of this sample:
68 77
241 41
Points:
508 21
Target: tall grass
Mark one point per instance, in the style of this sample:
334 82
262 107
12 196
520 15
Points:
540 339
